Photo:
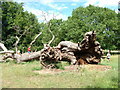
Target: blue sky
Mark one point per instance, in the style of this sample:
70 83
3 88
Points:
61 9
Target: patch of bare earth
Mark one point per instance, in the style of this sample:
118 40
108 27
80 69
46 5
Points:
99 67
73 68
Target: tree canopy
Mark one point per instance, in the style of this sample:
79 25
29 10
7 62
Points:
16 21
102 20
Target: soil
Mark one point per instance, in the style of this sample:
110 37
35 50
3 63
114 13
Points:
74 68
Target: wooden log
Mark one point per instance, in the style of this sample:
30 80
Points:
27 56
22 57
88 51
70 46
3 52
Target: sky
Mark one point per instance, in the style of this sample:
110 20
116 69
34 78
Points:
62 9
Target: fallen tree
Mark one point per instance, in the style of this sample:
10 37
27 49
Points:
87 52
26 56
21 57
16 54
4 53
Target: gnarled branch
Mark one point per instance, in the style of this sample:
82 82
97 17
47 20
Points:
53 37
35 39
18 38
49 25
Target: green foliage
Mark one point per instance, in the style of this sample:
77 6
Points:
14 16
59 66
102 20
56 29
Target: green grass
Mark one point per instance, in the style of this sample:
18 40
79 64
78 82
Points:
22 76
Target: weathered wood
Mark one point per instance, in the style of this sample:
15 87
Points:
68 45
3 52
27 56
2 46
22 57
88 51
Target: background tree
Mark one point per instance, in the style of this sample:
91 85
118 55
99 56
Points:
14 16
102 20
15 21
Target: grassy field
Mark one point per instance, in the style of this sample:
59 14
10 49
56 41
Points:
22 76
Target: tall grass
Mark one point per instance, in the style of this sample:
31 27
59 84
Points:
22 76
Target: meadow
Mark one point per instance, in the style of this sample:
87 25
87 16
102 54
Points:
22 76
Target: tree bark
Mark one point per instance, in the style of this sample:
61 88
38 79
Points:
87 52
27 56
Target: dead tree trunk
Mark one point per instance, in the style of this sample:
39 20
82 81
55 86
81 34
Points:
35 55
86 52
4 51
27 56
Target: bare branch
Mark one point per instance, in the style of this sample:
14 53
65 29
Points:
53 37
18 38
25 32
49 25
45 18
35 39
2 52
5 50
2 46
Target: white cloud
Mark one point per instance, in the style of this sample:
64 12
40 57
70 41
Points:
48 14
53 5
73 4
61 16
57 7
42 1
39 13
76 0
47 3
102 3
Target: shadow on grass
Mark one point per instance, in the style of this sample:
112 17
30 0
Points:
103 64
37 68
